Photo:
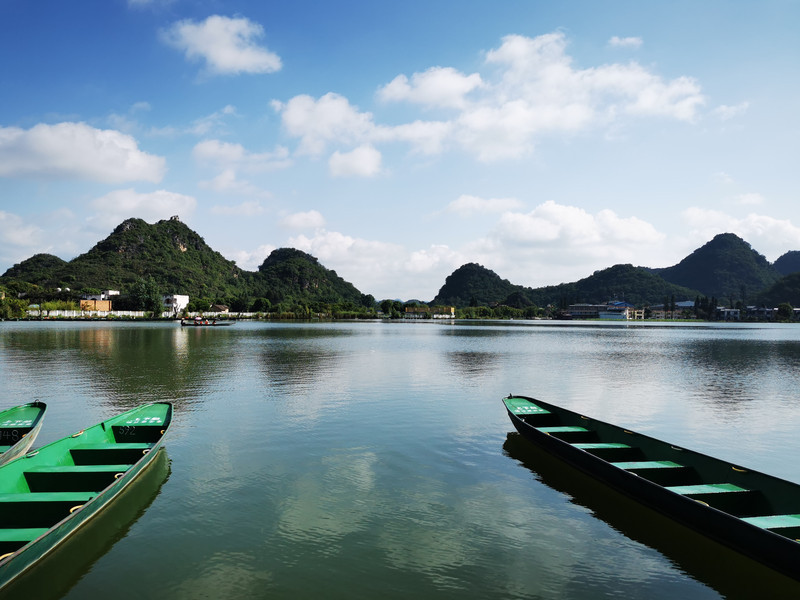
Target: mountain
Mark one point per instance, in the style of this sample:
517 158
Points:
725 267
636 285
786 289
176 257
289 273
474 285
180 262
39 267
788 263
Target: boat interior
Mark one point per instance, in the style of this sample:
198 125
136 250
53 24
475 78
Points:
43 493
756 498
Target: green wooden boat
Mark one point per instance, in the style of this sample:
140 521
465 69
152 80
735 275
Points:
49 493
19 427
754 513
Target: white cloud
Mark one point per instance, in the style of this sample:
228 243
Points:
226 154
372 266
320 122
76 151
311 219
767 235
626 42
467 205
213 122
250 260
530 90
750 199
436 87
116 206
364 161
228 46
14 231
228 182
725 113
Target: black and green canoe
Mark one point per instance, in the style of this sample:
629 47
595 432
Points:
49 493
19 427
754 513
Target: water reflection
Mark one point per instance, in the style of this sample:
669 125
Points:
473 364
730 573
56 574
731 371
117 365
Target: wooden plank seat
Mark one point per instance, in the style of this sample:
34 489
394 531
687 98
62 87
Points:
24 497
662 472
706 488
13 539
774 521
563 429
109 453
39 509
601 446
568 432
73 478
637 465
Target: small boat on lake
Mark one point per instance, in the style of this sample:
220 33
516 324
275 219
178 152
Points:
754 513
200 322
19 427
49 493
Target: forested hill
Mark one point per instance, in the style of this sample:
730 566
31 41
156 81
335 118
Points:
178 261
475 285
725 267
287 272
176 257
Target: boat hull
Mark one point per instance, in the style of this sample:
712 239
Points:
19 427
68 478
766 495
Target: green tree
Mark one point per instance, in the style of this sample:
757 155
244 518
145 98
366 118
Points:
146 295
785 312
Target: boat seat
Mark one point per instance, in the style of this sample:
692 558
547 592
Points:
39 509
774 521
73 478
47 497
708 488
563 429
105 453
13 539
601 446
647 464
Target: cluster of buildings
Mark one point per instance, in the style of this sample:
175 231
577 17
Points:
173 303
624 311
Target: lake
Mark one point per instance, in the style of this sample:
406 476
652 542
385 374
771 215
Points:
370 459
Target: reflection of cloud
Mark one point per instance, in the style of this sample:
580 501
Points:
325 506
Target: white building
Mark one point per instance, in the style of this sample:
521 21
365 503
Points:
175 303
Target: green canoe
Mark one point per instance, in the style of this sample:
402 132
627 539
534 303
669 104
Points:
49 493
752 512
19 427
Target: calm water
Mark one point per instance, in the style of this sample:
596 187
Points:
373 460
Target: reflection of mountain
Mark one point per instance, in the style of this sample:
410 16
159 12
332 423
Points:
730 573
122 365
733 371
293 357
55 575
473 364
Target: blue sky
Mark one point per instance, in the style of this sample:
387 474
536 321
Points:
398 141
